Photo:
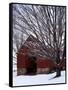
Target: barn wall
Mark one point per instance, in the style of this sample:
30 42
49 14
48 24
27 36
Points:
45 66
42 65
45 63
43 70
21 61
21 71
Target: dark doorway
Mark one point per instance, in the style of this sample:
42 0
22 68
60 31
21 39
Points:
31 70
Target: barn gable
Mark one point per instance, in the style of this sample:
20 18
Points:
32 46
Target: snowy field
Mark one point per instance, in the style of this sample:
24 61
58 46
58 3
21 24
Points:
38 79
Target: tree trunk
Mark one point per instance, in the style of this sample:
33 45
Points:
58 70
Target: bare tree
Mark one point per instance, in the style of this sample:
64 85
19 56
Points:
46 23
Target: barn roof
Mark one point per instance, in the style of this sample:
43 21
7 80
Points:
33 44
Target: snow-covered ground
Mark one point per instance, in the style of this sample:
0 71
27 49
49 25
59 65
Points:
38 79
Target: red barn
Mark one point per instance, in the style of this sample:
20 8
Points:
29 61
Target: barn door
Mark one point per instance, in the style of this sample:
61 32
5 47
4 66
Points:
31 70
